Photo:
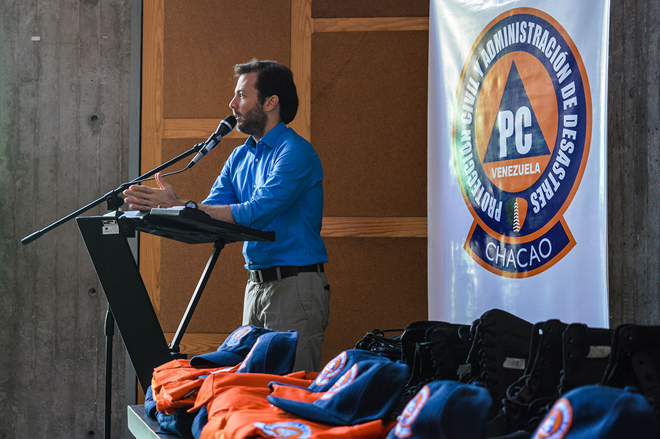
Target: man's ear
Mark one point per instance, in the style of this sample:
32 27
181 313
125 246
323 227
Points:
271 102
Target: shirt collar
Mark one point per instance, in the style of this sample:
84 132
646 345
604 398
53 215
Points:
271 137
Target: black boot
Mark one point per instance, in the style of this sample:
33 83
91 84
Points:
586 353
377 341
413 334
528 398
500 347
444 349
635 361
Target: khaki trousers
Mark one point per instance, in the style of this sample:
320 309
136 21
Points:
301 303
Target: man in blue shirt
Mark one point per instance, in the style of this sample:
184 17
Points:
273 182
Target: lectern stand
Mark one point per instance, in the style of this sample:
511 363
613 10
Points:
106 241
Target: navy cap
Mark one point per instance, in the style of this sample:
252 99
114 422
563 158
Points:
335 369
597 411
445 410
368 391
233 350
273 353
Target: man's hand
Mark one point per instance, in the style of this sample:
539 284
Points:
146 198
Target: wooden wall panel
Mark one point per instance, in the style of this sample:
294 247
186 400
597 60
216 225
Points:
220 309
369 8
370 24
369 105
301 48
375 283
153 40
204 42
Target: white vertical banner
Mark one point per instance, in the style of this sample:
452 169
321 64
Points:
517 186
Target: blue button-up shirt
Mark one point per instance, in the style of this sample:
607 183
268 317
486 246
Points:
276 185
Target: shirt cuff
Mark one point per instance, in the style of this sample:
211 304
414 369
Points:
241 214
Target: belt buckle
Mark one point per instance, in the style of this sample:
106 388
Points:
256 276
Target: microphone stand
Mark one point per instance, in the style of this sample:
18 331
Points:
112 198
114 201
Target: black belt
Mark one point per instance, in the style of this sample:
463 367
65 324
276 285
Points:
278 273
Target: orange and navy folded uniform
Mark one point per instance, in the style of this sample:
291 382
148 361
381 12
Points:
356 403
359 404
223 393
275 423
175 384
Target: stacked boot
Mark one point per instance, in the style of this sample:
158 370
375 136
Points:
499 351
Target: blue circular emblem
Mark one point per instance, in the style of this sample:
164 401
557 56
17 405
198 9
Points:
522 127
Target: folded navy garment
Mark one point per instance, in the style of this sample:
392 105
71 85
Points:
199 422
149 403
179 423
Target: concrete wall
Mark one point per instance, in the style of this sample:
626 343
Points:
64 141
64 91
633 162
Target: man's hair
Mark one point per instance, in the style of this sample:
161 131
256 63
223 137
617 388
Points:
273 79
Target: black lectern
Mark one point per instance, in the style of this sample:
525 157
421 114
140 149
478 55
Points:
106 241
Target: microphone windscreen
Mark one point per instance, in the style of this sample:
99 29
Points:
226 125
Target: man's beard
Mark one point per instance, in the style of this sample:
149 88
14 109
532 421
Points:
254 122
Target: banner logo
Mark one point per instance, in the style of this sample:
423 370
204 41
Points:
521 135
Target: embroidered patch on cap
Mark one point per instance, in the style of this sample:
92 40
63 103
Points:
341 383
334 367
403 427
296 430
557 422
238 335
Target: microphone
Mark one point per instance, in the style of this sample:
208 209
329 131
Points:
223 129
